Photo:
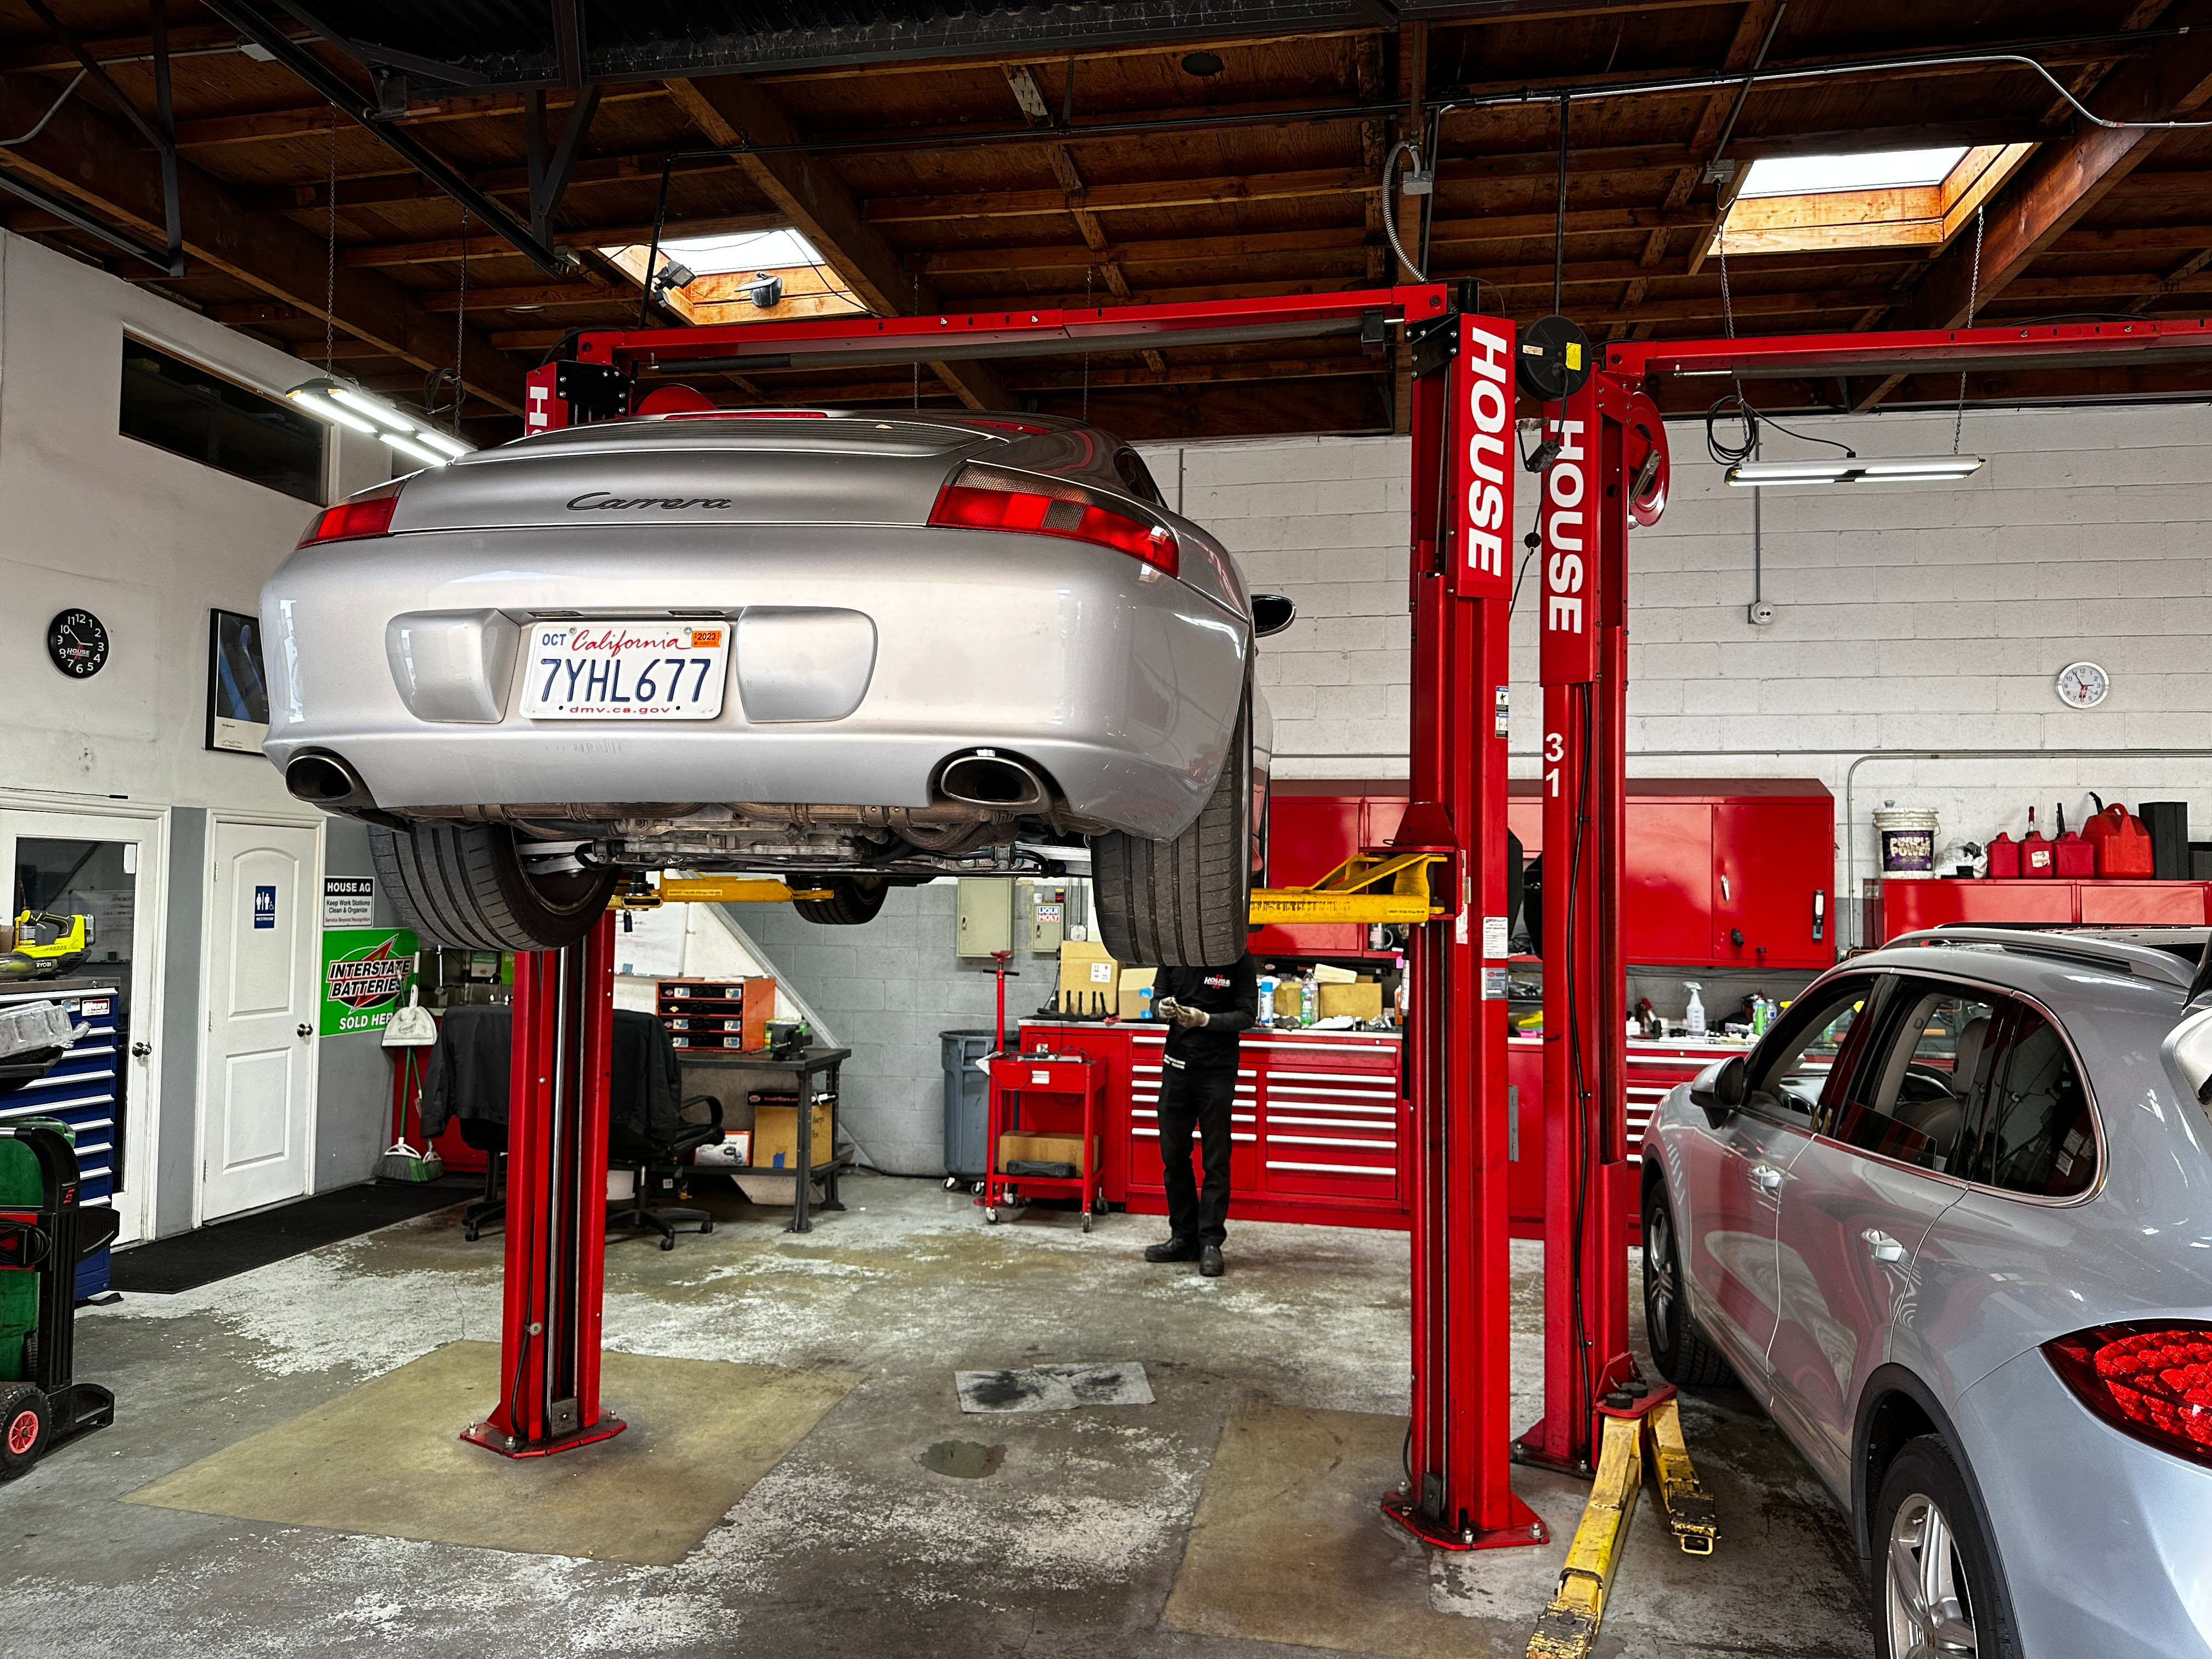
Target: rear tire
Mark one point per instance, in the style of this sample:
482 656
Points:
1185 902
853 900
480 887
1937 1587
1685 1355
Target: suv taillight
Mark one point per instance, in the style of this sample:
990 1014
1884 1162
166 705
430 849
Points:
368 514
985 498
2153 1381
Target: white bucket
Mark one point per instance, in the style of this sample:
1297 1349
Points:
1908 842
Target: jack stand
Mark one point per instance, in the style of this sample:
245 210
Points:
556 1192
1635 1431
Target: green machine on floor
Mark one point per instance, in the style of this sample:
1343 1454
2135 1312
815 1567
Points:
43 1234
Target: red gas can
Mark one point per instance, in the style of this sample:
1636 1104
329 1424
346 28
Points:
2073 858
2004 858
2123 844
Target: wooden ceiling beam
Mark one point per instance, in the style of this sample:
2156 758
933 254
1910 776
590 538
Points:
2063 181
730 109
385 189
1122 198
1091 55
312 120
81 155
442 250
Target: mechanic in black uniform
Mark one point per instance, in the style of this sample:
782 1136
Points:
1208 1006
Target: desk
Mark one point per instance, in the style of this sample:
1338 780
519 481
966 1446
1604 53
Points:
755 1074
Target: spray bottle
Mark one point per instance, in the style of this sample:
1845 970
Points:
1695 1019
1267 983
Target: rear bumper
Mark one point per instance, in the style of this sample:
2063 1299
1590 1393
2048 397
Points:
1124 691
2101 1536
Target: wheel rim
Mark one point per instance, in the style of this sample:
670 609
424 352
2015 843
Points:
1931 1615
561 884
23 1432
1659 1288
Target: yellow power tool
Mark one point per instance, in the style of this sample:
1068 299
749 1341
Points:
46 945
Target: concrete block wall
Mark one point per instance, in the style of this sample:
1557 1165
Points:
885 991
1910 618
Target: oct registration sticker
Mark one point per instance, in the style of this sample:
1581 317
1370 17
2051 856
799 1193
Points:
626 670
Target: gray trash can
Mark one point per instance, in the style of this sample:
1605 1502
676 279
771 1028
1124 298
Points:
966 1106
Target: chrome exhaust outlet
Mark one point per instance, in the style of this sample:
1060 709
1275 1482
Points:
324 780
984 777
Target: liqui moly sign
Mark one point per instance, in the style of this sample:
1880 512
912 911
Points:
1566 520
1482 459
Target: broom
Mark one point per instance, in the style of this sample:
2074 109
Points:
411 1029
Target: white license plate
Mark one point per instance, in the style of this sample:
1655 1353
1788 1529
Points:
592 671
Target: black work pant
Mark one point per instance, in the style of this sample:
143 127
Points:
1199 1100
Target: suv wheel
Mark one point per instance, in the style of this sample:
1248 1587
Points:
1935 1588
480 887
1185 902
1685 1355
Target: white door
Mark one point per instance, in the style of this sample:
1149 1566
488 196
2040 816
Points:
258 1097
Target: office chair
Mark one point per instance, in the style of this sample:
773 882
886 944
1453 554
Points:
646 1131
489 1138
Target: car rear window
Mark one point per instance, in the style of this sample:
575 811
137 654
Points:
2037 1135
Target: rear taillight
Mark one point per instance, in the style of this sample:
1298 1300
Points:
2151 1381
985 498
367 515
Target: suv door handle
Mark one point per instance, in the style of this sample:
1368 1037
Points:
1882 1247
1767 1176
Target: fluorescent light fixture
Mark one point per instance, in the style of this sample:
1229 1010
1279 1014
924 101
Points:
1928 469
327 399
409 446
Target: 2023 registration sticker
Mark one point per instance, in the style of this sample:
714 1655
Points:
625 671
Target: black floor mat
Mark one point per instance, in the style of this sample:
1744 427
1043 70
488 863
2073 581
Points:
190 1260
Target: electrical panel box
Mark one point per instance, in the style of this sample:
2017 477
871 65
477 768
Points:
1044 915
985 911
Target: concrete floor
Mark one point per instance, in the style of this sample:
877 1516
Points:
1230 1519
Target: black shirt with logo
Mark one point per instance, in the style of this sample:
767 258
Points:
1230 999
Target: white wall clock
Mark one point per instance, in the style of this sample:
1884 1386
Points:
2082 685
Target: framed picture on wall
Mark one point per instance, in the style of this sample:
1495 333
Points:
238 693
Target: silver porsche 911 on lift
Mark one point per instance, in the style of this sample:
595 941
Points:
857 651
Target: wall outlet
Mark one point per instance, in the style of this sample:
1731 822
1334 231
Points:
1761 613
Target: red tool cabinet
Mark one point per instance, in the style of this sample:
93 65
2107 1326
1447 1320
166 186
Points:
1892 908
1720 870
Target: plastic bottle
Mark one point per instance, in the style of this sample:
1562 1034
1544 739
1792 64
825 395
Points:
1308 999
1267 983
1695 1019
1762 1014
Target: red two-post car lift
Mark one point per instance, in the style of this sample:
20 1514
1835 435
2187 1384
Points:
1609 469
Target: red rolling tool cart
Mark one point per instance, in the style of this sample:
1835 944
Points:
1038 1104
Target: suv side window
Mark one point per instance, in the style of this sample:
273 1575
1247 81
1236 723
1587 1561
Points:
1792 1069
1923 1086
2036 1134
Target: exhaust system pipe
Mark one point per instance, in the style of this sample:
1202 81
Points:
324 780
984 777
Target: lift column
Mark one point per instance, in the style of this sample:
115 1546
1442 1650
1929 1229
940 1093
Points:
557 1202
1582 530
1463 466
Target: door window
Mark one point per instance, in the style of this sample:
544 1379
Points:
1791 1070
2037 1134
1924 1088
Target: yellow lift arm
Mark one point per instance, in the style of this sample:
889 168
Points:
1366 887
712 889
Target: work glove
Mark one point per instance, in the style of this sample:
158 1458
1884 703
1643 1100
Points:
1189 1018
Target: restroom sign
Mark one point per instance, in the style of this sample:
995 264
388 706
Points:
265 907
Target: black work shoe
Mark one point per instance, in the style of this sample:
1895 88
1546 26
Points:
1209 1262
1173 1250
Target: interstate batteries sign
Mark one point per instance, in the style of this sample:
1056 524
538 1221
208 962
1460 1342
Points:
365 973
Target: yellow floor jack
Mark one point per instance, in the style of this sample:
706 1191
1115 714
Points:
44 946
1639 1429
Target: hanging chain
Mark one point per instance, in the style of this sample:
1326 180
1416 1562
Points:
330 268
461 328
1087 270
1973 298
917 361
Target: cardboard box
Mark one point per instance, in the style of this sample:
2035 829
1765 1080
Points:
776 1136
1090 980
1361 999
1041 1149
1135 982
1286 1000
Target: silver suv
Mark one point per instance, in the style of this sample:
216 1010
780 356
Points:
1951 1222
859 650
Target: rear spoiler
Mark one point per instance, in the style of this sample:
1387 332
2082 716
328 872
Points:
2108 956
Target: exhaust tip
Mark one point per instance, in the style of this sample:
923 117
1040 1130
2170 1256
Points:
326 781
987 778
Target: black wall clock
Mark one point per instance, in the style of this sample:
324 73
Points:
77 642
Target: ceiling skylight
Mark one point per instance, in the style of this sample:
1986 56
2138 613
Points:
1807 175
745 278
759 249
